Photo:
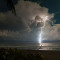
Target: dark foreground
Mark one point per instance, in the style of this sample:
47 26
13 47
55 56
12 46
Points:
16 54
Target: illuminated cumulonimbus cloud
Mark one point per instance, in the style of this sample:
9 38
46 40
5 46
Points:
29 17
32 13
28 14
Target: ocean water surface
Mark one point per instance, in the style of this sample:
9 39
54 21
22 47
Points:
33 46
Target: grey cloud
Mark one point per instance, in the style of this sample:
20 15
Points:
11 23
30 12
26 15
51 32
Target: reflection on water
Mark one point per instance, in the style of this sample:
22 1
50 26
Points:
50 48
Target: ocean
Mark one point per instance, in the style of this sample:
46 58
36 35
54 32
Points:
33 46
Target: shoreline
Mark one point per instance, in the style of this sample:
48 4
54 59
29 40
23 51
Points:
45 54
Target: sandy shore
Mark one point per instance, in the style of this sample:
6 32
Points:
27 54
47 55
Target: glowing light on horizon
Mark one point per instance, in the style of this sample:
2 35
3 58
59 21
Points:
44 19
40 36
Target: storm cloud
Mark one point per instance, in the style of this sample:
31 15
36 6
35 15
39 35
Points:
26 23
51 33
26 14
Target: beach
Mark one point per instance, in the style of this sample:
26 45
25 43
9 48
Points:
47 54
19 54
